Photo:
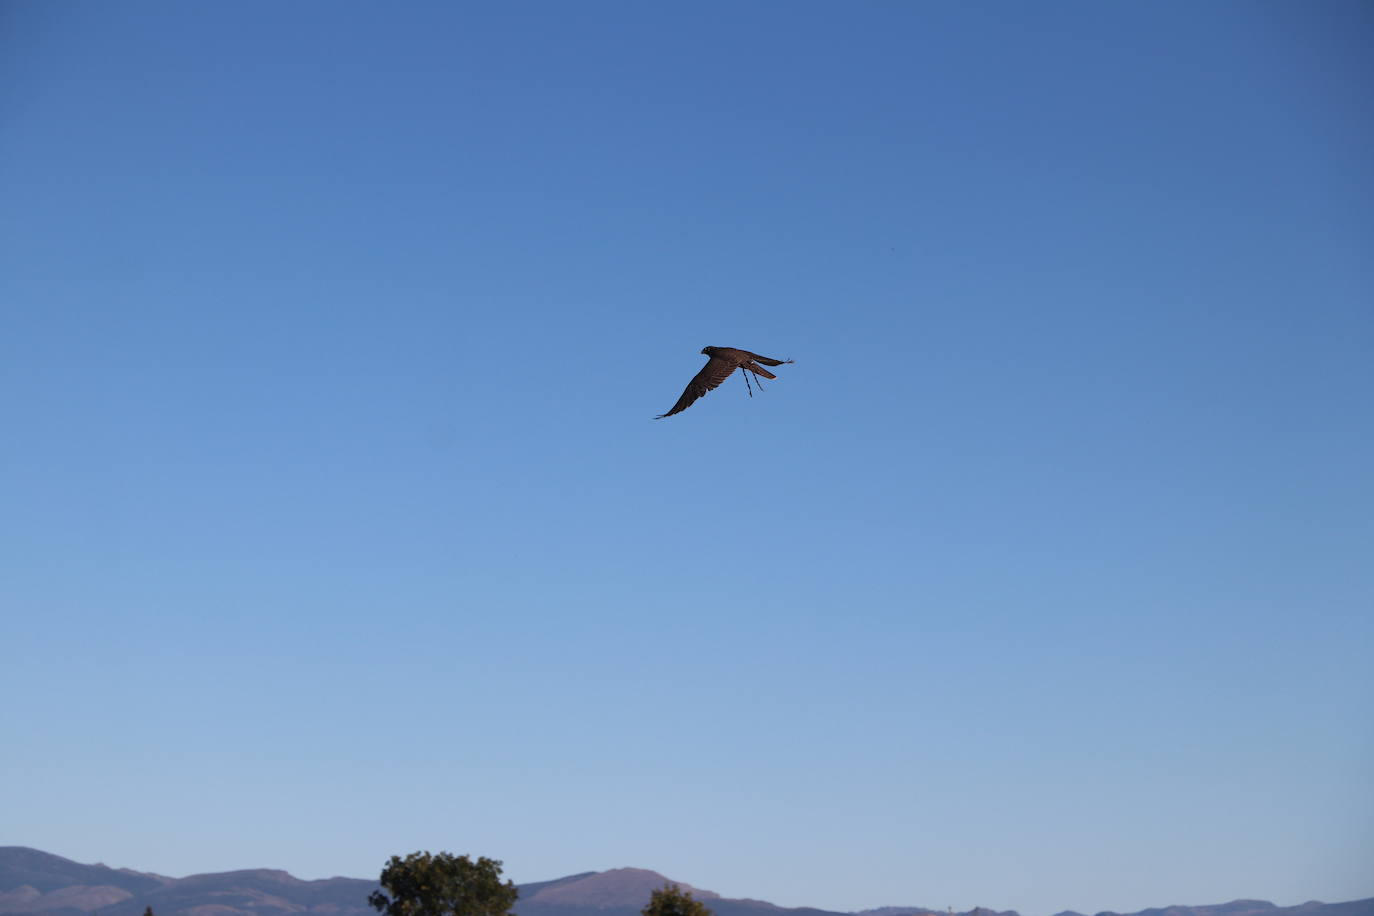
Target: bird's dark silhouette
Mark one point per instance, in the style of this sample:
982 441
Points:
723 361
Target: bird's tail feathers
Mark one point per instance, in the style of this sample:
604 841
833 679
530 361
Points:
769 361
759 370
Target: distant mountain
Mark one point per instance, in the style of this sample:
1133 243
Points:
1246 908
46 873
34 883
603 889
42 884
923 911
625 891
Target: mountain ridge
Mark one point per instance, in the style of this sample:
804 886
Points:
37 883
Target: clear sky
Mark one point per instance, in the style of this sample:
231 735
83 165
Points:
336 523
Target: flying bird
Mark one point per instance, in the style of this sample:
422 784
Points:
723 361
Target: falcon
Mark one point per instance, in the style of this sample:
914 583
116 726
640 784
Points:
723 361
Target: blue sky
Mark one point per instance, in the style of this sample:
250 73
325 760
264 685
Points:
336 524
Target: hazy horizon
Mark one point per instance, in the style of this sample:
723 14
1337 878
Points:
685 883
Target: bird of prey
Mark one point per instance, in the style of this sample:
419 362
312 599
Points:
723 361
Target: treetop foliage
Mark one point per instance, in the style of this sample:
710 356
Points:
672 900
443 885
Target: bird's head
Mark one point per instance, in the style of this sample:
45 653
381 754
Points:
706 351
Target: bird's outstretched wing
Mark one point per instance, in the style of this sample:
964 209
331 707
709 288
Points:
711 375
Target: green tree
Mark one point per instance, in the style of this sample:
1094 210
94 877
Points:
671 900
443 885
